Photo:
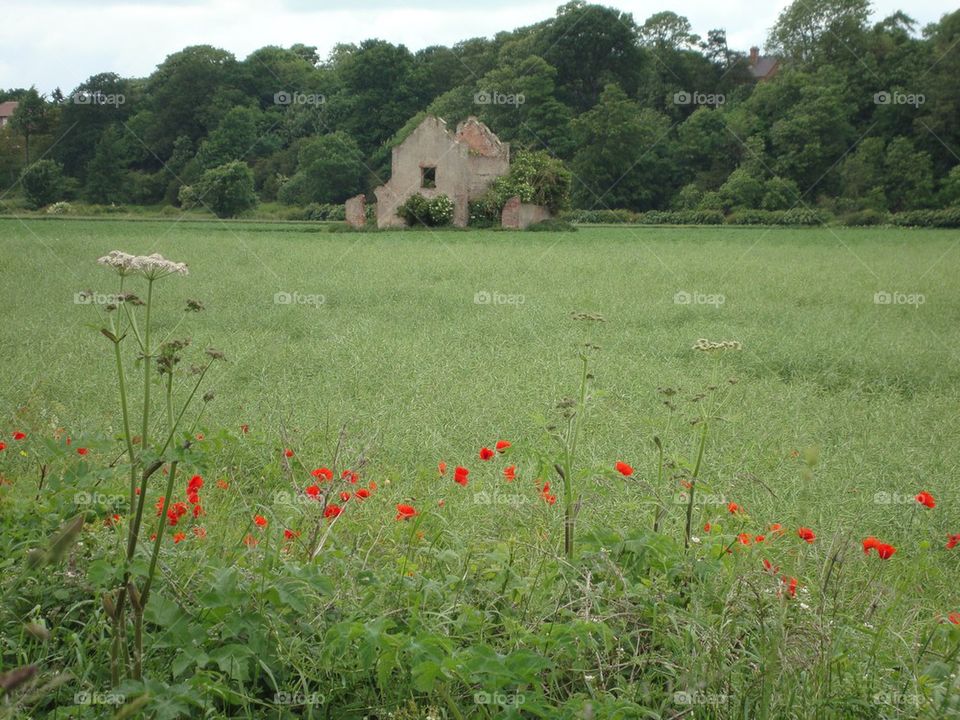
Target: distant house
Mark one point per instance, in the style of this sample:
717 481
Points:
432 162
6 111
762 67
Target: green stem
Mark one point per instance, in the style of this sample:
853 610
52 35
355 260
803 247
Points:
147 367
693 486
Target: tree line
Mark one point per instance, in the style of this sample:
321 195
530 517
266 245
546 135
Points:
645 115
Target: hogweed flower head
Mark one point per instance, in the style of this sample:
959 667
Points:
151 267
704 345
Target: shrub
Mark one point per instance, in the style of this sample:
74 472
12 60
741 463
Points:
710 201
688 198
60 208
947 218
751 217
227 189
868 216
741 190
779 194
417 210
600 217
802 216
484 212
42 183
535 177
320 211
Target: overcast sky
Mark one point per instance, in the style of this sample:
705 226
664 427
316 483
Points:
51 43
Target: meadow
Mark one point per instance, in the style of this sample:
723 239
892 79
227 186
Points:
388 353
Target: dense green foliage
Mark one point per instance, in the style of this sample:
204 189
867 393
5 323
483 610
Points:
646 115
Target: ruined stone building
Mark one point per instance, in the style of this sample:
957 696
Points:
432 161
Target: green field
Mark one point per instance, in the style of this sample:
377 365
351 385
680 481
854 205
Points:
389 336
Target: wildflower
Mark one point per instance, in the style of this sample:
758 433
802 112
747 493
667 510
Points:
222 484
791 584
441 502
349 475
460 475
545 493
362 493
199 532
373 485
176 511
777 528
290 534
952 541
112 520
179 537
760 538
250 541
510 473
870 543
200 437
332 510
502 445
442 467
704 345
707 527
405 512
624 469
287 452
151 267
925 498
244 428
806 534
733 508
3 446
770 567
344 496
197 511
260 521
82 451
885 551
743 539
486 453
323 474
19 435
954 617
193 489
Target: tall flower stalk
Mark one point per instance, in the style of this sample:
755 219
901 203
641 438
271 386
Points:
145 458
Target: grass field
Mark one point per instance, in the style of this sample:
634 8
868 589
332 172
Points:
428 345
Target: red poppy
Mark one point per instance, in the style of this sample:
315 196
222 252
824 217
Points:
952 541
486 453
244 428
624 469
806 534
288 453
250 541
199 532
179 537
332 511
791 584
510 472
954 617
3 446
362 493
350 475
19 435
197 511
760 538
686 484
82 451
777 528
460 475
290 534
548 497
372 485
260 520
502 445
175 512
344 496
313 491
200 436
870 543
405 512
743 539
885 551
733 508
442 467
222 484
925 498
323 473
159 505
770 567
112 520
706 527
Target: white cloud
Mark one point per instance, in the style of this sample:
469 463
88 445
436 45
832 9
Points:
54 43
